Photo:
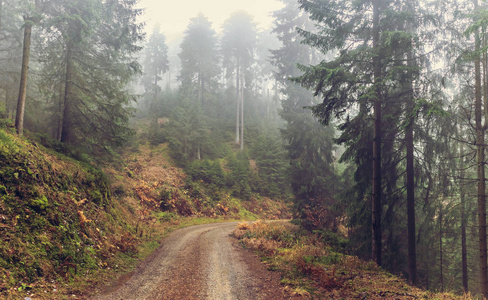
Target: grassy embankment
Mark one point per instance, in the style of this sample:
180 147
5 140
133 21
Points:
314 266
67 228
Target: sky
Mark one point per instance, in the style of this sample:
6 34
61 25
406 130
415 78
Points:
173 16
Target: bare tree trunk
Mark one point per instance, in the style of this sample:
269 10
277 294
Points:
267 105
480 153
202 90
19 119
7 96
464 255
66 133
242 114
376 203
237 101
440 249
155 87
412 251
169 78
411 228
60 113
1 14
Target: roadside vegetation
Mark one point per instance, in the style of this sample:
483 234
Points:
68 227
317 265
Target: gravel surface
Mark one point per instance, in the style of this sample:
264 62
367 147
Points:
199 262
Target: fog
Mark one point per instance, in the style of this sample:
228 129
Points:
174 16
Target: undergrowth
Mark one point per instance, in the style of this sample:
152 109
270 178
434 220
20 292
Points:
58 221
312 268
67 227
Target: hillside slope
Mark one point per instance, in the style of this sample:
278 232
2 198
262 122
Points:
315 266
57 218
67 227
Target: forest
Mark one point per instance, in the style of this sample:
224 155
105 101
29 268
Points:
369 116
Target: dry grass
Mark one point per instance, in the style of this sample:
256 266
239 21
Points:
311 269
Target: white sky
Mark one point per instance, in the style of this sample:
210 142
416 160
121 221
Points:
174 15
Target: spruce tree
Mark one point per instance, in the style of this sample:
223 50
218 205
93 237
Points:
100 40
155 64
238 47
308 143
199 59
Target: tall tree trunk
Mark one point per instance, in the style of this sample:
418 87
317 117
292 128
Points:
480 153
202 90
440 249
464 255
1 15
376 203
242 114
66 133
237 101
411 228
267 104
19 119
60 114
412 251
155 87
7 97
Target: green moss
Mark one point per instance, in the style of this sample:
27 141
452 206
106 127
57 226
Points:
40 203
3 190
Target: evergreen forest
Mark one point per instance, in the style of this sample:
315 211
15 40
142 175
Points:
365 119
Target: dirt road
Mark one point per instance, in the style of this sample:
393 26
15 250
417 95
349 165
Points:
200 262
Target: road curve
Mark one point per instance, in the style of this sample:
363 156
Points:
199 262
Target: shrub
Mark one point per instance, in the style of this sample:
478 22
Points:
206 171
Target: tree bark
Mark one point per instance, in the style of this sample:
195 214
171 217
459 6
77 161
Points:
411 228
237 101
156 87
440 249
376 203
464 255
60 114
412 251
480 153
66 132
202 90
7 96
19 119
1 15
242 114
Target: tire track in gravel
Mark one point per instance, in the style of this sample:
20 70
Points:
199 262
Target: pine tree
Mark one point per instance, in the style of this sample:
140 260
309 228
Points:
30 18
155 64
100 39
372 41
199 58
308 143
238 46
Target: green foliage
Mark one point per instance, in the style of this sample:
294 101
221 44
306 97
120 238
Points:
271 165
166 216
97 41
48 235
199 59
39 204
165 196
239 175
209 172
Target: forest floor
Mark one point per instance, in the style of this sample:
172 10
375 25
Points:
312 267
203 262
129 243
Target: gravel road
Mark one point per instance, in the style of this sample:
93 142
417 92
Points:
199 262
